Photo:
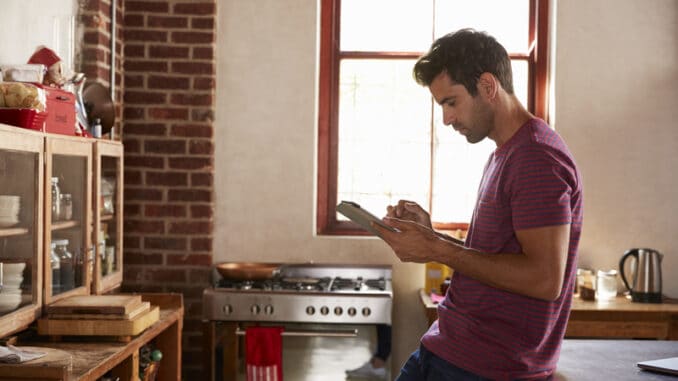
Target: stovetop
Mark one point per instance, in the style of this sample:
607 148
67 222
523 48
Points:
305 293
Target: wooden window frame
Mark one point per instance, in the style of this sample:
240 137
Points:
328 104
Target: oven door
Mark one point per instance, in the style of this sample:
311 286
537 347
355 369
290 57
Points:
310 351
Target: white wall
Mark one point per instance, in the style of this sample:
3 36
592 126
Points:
616 106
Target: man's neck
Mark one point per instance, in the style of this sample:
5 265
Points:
510 115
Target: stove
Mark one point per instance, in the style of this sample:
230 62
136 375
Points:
305 293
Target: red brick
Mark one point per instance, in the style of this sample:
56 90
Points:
167 22
165 146
193 195
93 54
144 162
132 177
191 162
165 274
143 35
201 147
165 243
202 211
202 115
144 226
192 68
204 83
201 244
145 97
202 23
146 66
132 210
192 37
141 194
147 6
141 258
130 242
168 82
133 20
96 38
164 51
166 178
168 113
203 53
191 99
202 179
189 259
164 210
134 113
195 8
134 51
192 130
150 129
132 81
204 276
131 146
192 227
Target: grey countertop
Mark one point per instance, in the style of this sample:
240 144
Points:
584 360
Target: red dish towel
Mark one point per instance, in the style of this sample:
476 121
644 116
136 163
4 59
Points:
263 353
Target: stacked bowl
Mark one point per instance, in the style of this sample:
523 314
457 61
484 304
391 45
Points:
10 293
9 210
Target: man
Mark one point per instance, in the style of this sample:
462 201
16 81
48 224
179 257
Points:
505 312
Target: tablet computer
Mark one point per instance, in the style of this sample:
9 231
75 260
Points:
361 216
667 365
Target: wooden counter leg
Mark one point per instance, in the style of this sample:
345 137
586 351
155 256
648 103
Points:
209 332
230 345
169 343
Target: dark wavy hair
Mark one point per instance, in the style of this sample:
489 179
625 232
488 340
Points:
464 55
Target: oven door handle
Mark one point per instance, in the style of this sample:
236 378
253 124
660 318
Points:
313 333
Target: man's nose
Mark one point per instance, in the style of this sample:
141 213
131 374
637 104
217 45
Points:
449 117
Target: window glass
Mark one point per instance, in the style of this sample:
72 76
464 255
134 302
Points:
385 25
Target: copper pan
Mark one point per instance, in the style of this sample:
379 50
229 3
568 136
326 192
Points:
248 270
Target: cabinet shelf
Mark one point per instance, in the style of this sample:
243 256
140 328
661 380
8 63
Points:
12 232
61 225
107 217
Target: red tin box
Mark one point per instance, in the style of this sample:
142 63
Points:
23 117
60 111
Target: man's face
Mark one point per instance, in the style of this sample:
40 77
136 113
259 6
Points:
470 116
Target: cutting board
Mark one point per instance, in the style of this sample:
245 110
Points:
138 310
99 327
56 365
95 304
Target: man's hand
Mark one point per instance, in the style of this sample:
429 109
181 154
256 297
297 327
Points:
412 243
409 211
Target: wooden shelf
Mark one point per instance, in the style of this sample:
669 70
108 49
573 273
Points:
93 358
11 232
107 217
60 225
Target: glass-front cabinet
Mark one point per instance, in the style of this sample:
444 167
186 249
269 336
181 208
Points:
107 206
21 235
69 253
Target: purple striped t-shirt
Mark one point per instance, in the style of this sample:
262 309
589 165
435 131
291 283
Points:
531 181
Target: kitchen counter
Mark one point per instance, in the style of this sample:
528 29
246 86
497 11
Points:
584 360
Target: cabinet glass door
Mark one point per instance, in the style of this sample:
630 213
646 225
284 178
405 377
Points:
68 193
21 176
107 206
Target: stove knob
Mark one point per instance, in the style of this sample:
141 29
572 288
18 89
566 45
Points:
367 311
351 311
310 310
324 310
227 309
268 310
338 311
255 309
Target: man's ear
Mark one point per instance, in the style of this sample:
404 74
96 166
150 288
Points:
488 86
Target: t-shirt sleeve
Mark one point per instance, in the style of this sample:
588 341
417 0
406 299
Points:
540 188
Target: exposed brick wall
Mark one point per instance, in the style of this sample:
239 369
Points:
165 91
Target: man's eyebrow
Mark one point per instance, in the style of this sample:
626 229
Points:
446 99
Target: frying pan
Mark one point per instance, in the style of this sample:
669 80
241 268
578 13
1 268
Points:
248 270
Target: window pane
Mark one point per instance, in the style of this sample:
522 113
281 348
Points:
519 68
507 21
386 25
385 134
457 169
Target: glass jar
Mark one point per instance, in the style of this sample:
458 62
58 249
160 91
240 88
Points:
606 285
55 265
66 205
66 262
586 284
56 199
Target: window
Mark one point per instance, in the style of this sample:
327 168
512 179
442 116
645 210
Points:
381 137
